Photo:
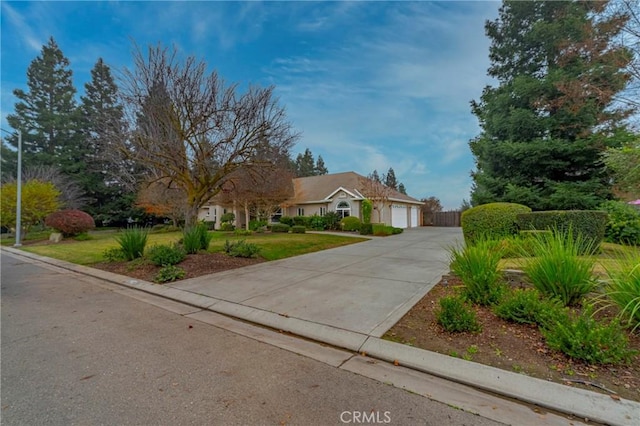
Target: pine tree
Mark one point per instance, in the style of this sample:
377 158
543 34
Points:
546 124
402 189
374 176
103 126
390 179
305 165
47 114
320 168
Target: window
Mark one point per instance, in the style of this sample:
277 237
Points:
275 218
343 209
300 211
323 211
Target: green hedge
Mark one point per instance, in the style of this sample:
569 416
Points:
366 229
494 220
298 229
623 224
350 223
590 225
280 227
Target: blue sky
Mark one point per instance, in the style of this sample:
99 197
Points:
370 85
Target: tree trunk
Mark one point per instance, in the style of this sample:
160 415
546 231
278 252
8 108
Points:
191 215
246 215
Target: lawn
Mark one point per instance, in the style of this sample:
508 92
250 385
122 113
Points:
273 245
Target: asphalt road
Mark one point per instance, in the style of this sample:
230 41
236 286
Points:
75 352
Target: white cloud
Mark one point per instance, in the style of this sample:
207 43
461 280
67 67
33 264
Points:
30 39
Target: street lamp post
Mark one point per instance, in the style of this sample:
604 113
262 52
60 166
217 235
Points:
19 194
18 191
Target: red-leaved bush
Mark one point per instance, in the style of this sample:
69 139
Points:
70 222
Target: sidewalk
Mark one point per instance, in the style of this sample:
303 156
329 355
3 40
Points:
349 296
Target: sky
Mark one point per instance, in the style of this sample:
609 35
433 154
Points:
369 85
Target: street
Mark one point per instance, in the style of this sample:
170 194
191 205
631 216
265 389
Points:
76 352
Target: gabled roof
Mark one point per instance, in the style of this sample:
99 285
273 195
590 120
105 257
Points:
319 189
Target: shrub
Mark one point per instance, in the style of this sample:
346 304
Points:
83 236
623 223
227 227
382 230
114 254
350 223
286 220
491 221
367 208
366 229
525 306
582 337
317 223
298 229
280 227
227 218
455 315
623 288
132 242
588 225
557 271
196 238
169 273
254 225
164 255
70 222
395 230
241 249
332 221
477 267
242 232
300 221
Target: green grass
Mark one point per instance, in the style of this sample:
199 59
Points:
273 246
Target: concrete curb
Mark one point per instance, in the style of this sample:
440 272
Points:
578 402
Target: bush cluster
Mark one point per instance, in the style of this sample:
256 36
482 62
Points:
70 222
300 221
240 249
254 225
227 227
455 315
169 273
317 223
133 241
588 225
164 255
280 227
526 306
350 223
582 337
623 288
196 238
286 220
297 229
557 271
332 221
382 230
477 267
366 229
491 221
623 223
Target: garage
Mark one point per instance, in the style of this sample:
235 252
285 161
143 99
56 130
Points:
414 216
398 216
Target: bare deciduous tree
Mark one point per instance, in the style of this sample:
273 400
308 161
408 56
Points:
193 130
377 192
163 199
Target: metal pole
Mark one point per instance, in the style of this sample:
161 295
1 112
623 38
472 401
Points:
19 194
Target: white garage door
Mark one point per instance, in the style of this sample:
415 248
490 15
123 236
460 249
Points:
399 216
414 217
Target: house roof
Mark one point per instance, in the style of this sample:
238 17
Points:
321 188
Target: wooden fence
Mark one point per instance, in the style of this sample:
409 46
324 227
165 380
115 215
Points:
450 218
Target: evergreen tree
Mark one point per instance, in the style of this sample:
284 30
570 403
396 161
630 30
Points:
374 176
546 124
305 165
402 189
47 114
320 168
390 179
103 126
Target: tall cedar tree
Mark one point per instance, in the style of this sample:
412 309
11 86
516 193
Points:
103 126
546 124
305 165
48 116
391 181
320 168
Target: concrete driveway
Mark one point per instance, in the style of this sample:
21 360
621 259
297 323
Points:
365 288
